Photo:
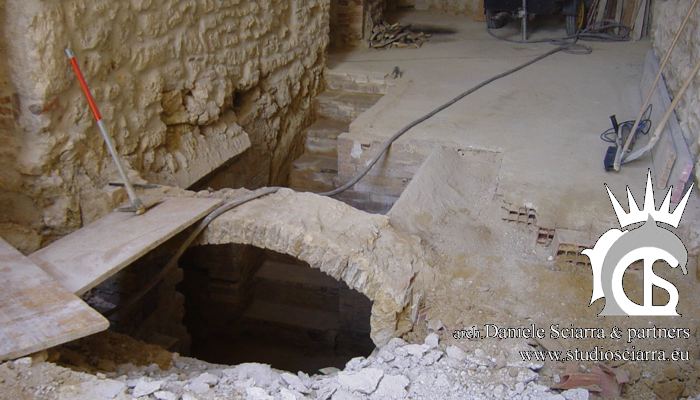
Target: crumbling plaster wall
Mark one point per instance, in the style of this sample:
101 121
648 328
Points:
668 15
184 86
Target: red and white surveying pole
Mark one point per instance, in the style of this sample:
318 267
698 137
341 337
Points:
136 204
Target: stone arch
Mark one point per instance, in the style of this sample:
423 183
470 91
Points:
361 249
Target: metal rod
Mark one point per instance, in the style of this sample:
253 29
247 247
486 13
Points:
620 155
136 203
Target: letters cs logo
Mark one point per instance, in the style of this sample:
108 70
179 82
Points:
617 249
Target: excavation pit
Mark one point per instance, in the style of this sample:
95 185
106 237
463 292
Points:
245 304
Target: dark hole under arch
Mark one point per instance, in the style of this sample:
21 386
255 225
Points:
245 304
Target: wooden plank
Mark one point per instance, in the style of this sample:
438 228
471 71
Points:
602 10
592 13
618 10
88 256
628 13
36 312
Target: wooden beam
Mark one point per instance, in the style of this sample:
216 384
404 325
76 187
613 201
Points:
88 256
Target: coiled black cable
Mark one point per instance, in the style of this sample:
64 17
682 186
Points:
610 136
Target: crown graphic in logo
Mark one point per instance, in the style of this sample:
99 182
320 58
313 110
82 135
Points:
650 242
636 215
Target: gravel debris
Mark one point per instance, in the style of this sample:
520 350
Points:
396 371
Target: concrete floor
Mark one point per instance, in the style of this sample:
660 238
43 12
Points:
545 120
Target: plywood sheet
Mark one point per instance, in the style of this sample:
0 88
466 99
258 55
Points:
36 312
88 256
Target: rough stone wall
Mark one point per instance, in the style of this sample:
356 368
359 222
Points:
16 213
668 15
184 86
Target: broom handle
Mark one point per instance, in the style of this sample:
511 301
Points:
621 154
133 198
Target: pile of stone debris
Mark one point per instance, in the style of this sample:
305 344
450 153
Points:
396 371
385 35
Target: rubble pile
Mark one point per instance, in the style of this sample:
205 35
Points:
397 370
386 35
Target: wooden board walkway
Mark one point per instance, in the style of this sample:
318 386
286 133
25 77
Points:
88 256
36 312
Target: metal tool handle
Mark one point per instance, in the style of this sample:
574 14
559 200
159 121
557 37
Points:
133 198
